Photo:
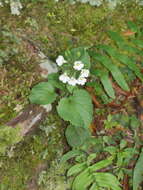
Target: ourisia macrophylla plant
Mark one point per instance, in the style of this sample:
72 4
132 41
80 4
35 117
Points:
74 68
72 73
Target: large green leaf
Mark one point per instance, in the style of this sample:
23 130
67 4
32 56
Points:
76 169
107 180
105 80
70 154
43 93
138 172
83 180
76 136
78 54
101 164
77 109
91 157
118 76
107 85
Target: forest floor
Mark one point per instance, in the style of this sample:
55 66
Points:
51 28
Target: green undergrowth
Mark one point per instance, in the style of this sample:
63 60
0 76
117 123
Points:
52 28
59 26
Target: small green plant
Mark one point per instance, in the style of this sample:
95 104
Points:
121 155
74 103
87 173
109 123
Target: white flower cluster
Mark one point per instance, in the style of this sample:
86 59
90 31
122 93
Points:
15 7
78 66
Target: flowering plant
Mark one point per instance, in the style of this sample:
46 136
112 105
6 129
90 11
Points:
74 102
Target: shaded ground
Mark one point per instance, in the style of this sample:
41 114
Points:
51 28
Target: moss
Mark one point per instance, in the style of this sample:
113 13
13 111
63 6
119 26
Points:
18 169
8 137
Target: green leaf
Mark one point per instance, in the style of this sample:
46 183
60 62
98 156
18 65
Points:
138 172
110 149
76 136
107 180
76 169
123 144
104 77
78 54
91 157
43 93
108 85
70 154
83 180
77 109
101 164
119 78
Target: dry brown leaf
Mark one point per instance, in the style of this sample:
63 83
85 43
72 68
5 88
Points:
128 33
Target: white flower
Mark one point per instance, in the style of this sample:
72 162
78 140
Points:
60 60
15 11
15 7
84 73
78 65
72 81
1 4
81 81
64 78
